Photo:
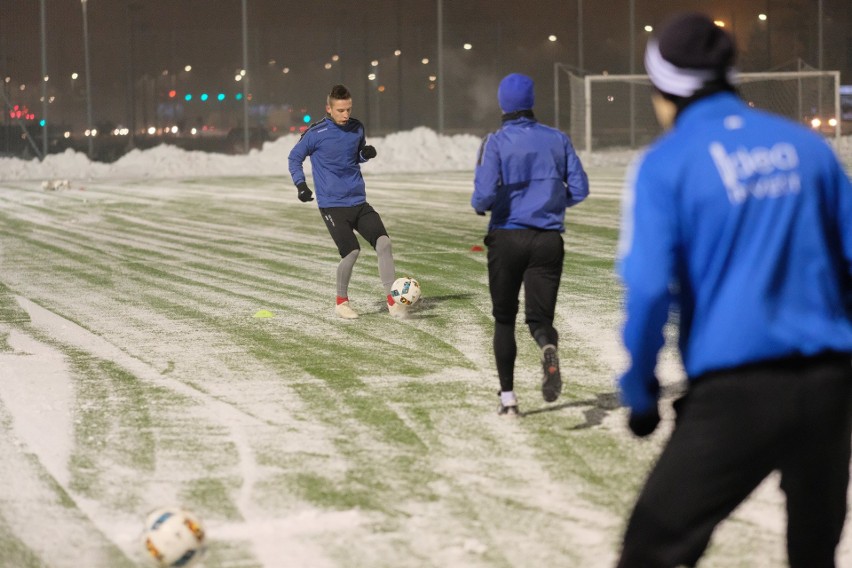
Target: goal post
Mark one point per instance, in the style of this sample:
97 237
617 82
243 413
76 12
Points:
615 110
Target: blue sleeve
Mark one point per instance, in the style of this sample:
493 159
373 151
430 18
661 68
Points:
844 221
577 180
486 177
297 157
361 143
647 269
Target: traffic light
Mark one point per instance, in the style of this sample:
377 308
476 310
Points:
306 119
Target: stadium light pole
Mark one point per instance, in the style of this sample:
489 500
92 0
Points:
43 81
245 78
88 78
580 35
440 67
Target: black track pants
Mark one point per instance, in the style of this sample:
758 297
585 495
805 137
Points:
533 258
733 429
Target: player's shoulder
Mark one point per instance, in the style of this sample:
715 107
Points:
314 128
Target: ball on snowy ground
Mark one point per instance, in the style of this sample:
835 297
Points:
173 537
406 291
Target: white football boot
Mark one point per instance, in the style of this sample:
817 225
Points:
345 311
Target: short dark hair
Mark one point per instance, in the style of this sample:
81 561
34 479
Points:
339 93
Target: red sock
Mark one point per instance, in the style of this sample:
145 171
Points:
341 299
390 300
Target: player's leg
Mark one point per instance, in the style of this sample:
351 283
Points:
541 287
728 437
369 224
338 221
815 474
506 263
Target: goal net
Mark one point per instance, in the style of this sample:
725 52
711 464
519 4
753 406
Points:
605 111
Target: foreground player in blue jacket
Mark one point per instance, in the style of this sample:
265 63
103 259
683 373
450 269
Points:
337 148
742 221
527 174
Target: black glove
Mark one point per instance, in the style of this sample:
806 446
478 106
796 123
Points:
368 152
305 193
482 213
645 423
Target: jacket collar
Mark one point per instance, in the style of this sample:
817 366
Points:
518 114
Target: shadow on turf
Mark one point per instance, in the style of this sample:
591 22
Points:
601 405
424 306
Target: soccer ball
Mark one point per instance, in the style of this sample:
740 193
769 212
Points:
173 537
406 291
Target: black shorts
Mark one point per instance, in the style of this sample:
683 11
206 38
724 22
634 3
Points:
524 256
342 222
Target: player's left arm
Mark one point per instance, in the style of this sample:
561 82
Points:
365 151
576 178
486 177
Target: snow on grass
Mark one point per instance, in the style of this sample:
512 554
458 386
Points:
133 374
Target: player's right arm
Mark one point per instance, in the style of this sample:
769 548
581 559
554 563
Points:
844 220
297 157
647 268
486 176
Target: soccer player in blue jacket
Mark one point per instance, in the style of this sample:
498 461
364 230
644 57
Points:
337 147
526 175
741 221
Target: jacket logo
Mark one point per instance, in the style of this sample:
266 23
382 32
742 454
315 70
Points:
759 172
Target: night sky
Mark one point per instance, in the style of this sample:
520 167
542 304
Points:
139 48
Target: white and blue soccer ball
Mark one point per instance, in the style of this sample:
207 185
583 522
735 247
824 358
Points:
406 291
173 537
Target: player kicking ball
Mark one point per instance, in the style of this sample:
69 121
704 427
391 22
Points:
337 148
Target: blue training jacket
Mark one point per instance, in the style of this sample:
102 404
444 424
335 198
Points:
335 152
743 220
526 175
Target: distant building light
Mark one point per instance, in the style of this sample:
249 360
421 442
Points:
328 65
649 29
397 52
468 46
335 57
551 37
187 68
425 61
152 130
374 63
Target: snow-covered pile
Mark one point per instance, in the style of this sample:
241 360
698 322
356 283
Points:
418 150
